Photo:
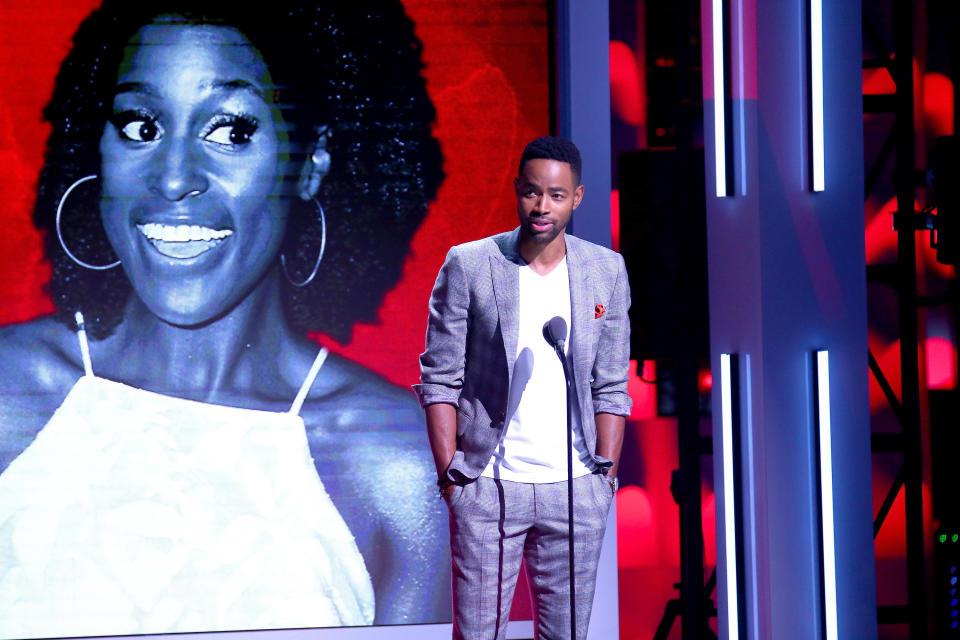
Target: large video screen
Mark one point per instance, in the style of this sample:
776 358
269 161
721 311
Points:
222 225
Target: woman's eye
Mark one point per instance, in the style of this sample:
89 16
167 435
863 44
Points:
138 128
231 132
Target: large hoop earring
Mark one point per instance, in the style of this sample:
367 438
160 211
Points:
63 244
323 246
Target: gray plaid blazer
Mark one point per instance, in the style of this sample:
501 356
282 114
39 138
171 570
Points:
472 341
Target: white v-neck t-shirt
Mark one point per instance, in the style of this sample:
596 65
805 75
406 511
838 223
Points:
533 448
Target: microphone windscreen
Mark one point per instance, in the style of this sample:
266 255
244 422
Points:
555 330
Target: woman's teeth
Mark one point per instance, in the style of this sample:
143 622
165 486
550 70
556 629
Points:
182 240
181 232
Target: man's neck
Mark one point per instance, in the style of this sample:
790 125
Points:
542 258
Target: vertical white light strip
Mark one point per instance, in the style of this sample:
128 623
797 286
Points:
729 511
816 92
826 497
739 89
719 97
750 528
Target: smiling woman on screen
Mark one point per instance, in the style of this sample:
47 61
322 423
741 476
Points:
175 455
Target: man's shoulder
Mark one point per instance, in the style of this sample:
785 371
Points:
500 244
586 250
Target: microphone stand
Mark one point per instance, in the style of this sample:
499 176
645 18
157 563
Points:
558 347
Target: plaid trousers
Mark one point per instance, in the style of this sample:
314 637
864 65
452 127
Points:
493 523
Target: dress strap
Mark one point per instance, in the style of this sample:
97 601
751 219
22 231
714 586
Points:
84 345
308 383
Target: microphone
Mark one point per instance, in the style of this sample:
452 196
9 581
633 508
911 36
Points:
555 332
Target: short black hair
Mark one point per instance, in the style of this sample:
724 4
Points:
352 66
552 148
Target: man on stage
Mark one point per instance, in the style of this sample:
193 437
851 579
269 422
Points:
494 393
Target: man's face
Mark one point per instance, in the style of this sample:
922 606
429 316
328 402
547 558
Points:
547 194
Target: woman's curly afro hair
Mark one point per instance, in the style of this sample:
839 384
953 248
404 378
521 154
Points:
352 66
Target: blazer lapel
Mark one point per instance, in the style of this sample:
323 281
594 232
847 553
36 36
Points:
582 334
506 288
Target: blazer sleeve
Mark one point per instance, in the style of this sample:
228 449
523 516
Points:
611 367
442 363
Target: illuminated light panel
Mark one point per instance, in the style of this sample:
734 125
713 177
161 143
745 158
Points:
729 509
826 497
816 92
719 117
